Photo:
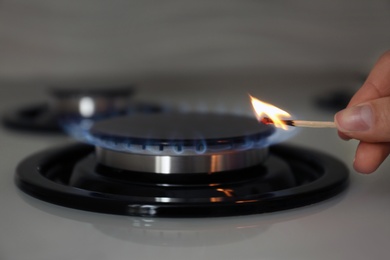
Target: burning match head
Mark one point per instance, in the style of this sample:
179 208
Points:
269 114
268 121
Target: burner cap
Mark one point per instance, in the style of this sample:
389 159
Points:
187 129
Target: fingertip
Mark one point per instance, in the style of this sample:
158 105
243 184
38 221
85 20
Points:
342 135
357 118
364 168
369 156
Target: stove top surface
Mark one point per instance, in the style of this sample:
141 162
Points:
338 222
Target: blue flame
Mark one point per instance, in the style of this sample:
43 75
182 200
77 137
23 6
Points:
80 129
178 148
200 146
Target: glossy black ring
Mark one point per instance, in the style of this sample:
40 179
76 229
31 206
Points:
45 176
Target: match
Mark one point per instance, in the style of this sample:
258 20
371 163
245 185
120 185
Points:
302 123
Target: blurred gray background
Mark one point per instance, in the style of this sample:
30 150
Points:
124 40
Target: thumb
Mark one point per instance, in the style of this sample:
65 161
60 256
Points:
368 122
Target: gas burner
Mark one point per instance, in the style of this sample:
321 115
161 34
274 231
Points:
137 169
90 102
75 103
180 143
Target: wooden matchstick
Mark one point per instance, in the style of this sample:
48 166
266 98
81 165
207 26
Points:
302 123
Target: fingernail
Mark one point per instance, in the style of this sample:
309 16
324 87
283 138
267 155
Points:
355 119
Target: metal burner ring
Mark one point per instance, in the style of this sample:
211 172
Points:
181 164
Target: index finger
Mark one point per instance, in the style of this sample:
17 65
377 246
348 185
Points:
377 84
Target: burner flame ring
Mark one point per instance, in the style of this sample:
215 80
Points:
175 143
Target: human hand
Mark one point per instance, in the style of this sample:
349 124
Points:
367 118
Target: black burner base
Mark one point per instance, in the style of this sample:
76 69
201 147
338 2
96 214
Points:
291 177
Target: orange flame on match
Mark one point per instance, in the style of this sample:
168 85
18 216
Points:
263 109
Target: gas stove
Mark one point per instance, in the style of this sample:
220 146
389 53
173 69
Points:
181 165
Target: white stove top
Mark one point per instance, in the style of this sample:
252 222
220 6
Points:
352 225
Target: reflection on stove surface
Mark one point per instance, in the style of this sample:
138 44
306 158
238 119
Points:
186 232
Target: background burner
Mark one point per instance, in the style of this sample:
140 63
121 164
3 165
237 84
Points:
74 104
181 143
89 102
